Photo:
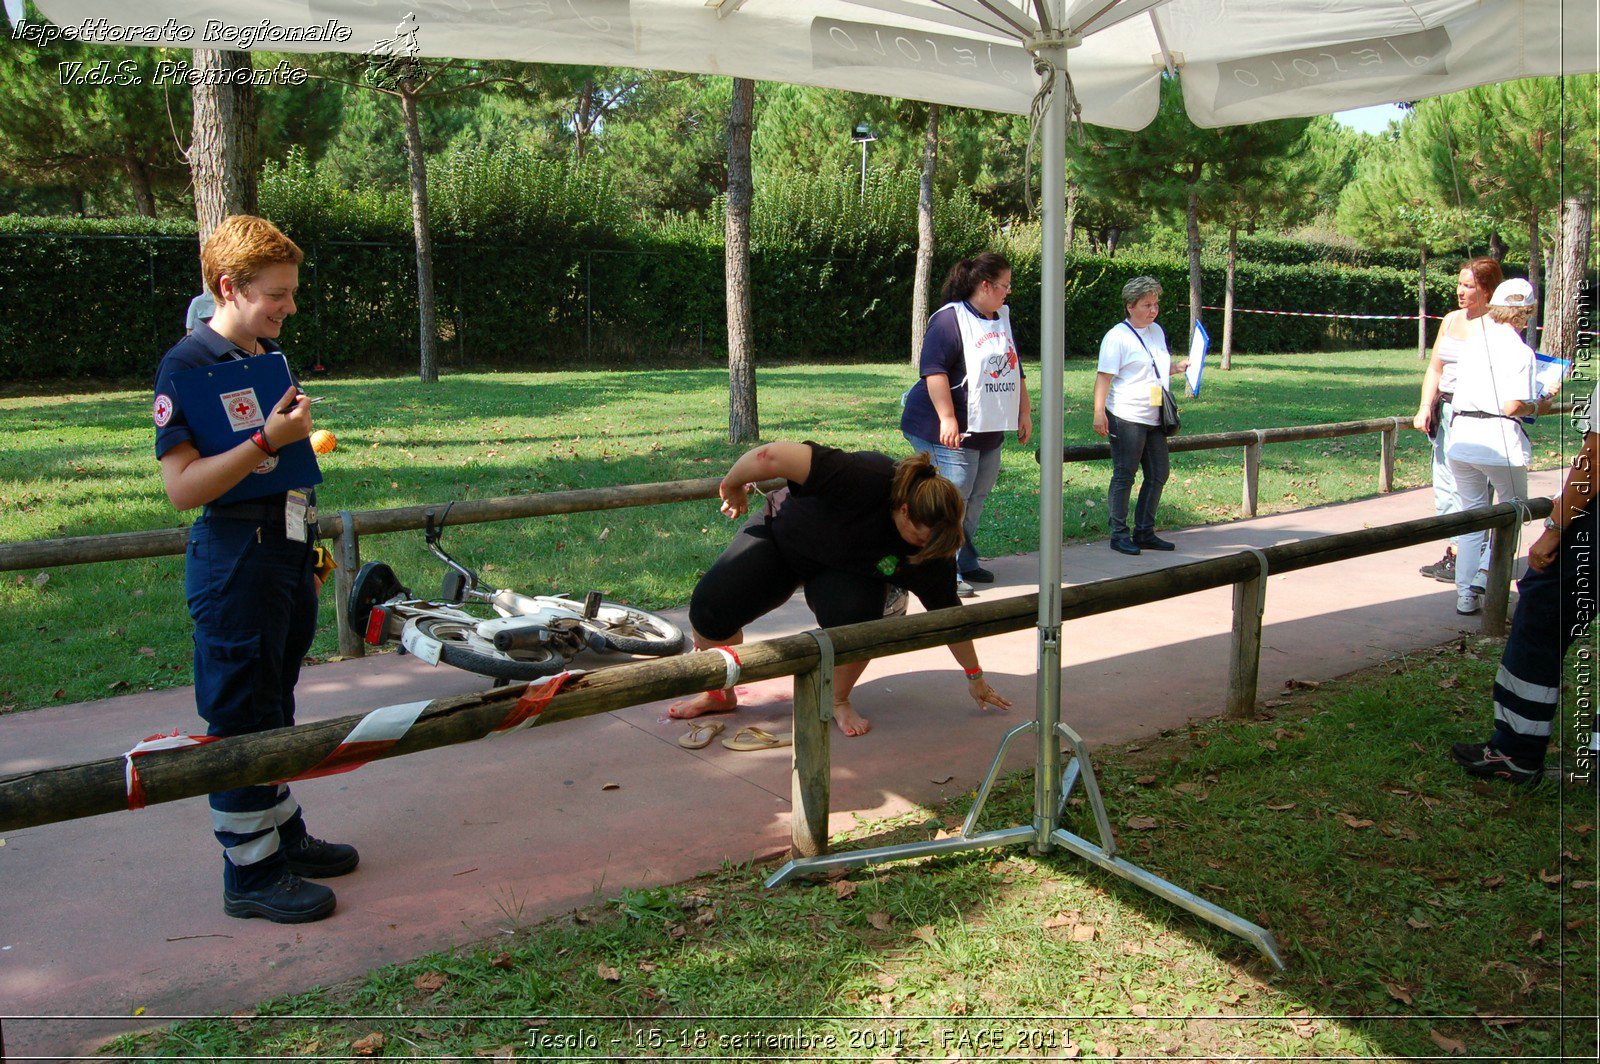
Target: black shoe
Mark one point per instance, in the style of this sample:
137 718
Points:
315 859
1124 545
1485 762
980 575
1151 541
291 900
1443 570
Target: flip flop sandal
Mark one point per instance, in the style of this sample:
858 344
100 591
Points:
700 734
752 738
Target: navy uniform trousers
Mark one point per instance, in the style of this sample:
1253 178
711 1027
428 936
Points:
1554 607
253 598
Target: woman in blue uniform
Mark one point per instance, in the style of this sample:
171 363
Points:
250 576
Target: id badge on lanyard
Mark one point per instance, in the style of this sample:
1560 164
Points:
298 513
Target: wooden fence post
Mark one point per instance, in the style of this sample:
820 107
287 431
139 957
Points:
812 754
1244 651
1390 438
1252 477
347 553
1503 541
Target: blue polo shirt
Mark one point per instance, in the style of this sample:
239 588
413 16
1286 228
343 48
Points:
203 347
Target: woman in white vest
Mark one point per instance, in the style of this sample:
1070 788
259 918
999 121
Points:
971 393
1477 281
1489 450
1134 368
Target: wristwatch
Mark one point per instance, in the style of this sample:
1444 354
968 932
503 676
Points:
1550 522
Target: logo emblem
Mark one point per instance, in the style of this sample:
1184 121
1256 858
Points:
267 465
162 410
243 410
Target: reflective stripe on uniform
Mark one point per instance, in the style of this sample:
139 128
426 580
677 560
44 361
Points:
255 850
245 823
1516 722
1533 692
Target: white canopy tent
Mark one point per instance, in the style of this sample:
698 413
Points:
1240 60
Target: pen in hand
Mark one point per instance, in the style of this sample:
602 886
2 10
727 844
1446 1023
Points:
314 401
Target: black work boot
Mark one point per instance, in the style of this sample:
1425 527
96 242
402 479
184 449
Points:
311 857
288 900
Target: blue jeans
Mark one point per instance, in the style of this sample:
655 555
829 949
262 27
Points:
1135 446
974 473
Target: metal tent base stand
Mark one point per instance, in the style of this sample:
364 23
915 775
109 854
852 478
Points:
1078 769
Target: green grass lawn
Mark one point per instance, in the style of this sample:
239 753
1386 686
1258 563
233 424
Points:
79 464
1422 914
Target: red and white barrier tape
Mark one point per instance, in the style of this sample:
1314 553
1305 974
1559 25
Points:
734 667
1354 317
372 734
171 741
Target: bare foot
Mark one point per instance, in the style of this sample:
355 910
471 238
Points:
850 722
703 703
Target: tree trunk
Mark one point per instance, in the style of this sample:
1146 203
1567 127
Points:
1072 213
582 118
924 277
743 426
144 197
1227 297
1112 235
1497 246
1530 335
222 155
1194 259
1094 241
1422 303
427 340
1569 274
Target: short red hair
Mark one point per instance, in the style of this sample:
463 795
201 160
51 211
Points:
241 247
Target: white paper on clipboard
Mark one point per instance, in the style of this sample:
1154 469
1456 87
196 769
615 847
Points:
1198 344
1548 372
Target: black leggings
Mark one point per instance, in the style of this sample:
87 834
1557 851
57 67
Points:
751 579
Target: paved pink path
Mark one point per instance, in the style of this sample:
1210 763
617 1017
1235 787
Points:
104 916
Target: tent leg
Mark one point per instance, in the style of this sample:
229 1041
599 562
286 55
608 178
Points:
1050 789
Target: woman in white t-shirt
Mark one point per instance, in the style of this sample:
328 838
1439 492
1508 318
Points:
1475 284
1489 451
1134 368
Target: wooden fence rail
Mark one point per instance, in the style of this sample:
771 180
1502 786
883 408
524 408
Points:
49 795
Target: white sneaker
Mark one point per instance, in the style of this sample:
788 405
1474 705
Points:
964 589
1480 581
1468 602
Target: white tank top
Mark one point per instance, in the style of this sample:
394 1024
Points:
1449 350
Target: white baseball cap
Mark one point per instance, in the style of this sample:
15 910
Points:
1513 293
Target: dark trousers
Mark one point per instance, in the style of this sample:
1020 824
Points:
253 599
1554 607
1135 446
752 578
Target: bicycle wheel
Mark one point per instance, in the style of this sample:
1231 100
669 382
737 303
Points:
635 631
460 645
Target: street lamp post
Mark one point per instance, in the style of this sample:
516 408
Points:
863 136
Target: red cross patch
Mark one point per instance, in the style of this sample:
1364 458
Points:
162 410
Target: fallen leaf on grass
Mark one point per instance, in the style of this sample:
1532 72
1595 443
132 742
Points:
367 1046
148 652
1059 920
926 933
1145 781
879 920
1303 685
677 931
1449 1045
1449 682
608 973
1107 1050
1143 823
1284 808
41 580
1353 823
1583 829
1577 884
1138 1010
500 960
1494 882
885 980
1398 992
705 917
1417 925
1550 879
844 888
1275 703
1267 744
1070 1051
1083 933
505 1052
1498 1021
1537 939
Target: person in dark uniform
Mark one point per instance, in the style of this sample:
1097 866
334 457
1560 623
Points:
250 574
852 525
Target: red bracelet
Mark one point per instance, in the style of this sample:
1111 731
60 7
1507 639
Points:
973 674
260 440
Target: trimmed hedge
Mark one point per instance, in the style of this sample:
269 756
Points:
538 264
